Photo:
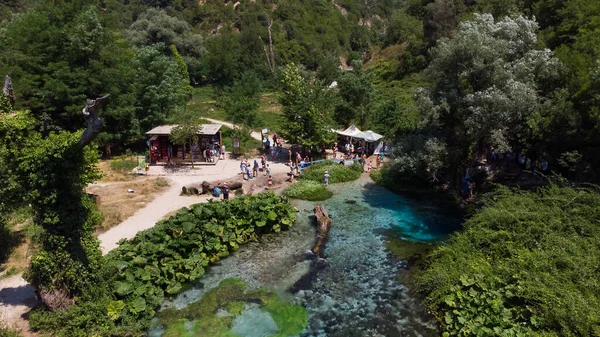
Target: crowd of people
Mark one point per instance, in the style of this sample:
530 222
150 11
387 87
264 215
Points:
299 159
519 164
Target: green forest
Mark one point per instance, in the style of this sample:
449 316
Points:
447 82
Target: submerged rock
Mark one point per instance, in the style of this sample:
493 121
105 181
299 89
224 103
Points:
253 322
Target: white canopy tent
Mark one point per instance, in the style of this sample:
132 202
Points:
368 136
351 131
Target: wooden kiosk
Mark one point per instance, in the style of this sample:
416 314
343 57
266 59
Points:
207 150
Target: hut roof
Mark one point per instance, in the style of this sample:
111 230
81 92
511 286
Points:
205 129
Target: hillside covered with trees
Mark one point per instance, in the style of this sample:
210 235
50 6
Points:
448 82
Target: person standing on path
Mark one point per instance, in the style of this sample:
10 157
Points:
248 172
268 170
255 168
326 178
263 161
225 191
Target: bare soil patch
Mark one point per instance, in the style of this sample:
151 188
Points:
117 204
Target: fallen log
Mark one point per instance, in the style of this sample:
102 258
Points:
208 187
192 189
323 227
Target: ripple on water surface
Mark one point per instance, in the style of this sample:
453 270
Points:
357 292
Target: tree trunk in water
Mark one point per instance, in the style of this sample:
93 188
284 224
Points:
323 227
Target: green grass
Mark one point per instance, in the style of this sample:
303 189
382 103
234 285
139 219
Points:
7 332
308 190
124 163
250 145
269 112
290 319
204 104
337 173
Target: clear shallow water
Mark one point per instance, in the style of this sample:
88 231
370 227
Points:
357 292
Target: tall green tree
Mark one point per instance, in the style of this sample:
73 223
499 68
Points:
307 109
241 100
58 56
222 61
161 89
184 134
49 173
356 91
156 26
490 83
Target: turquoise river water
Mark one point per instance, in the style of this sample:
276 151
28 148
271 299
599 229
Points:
356 292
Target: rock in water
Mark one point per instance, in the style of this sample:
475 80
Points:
254 322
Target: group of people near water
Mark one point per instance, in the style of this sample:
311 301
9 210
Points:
246 167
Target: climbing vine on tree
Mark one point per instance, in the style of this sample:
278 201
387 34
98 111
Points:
50 173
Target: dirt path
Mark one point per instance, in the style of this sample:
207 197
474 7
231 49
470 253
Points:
17 298
255 134
154 211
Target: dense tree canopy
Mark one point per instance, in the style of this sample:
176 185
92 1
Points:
156 26
525 265
491 86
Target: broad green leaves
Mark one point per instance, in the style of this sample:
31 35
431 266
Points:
176 251
114 309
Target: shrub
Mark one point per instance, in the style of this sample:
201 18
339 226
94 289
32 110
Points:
157 262
160 260
337 173
308 190
526 264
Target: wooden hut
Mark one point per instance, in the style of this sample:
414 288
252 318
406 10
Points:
161 147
